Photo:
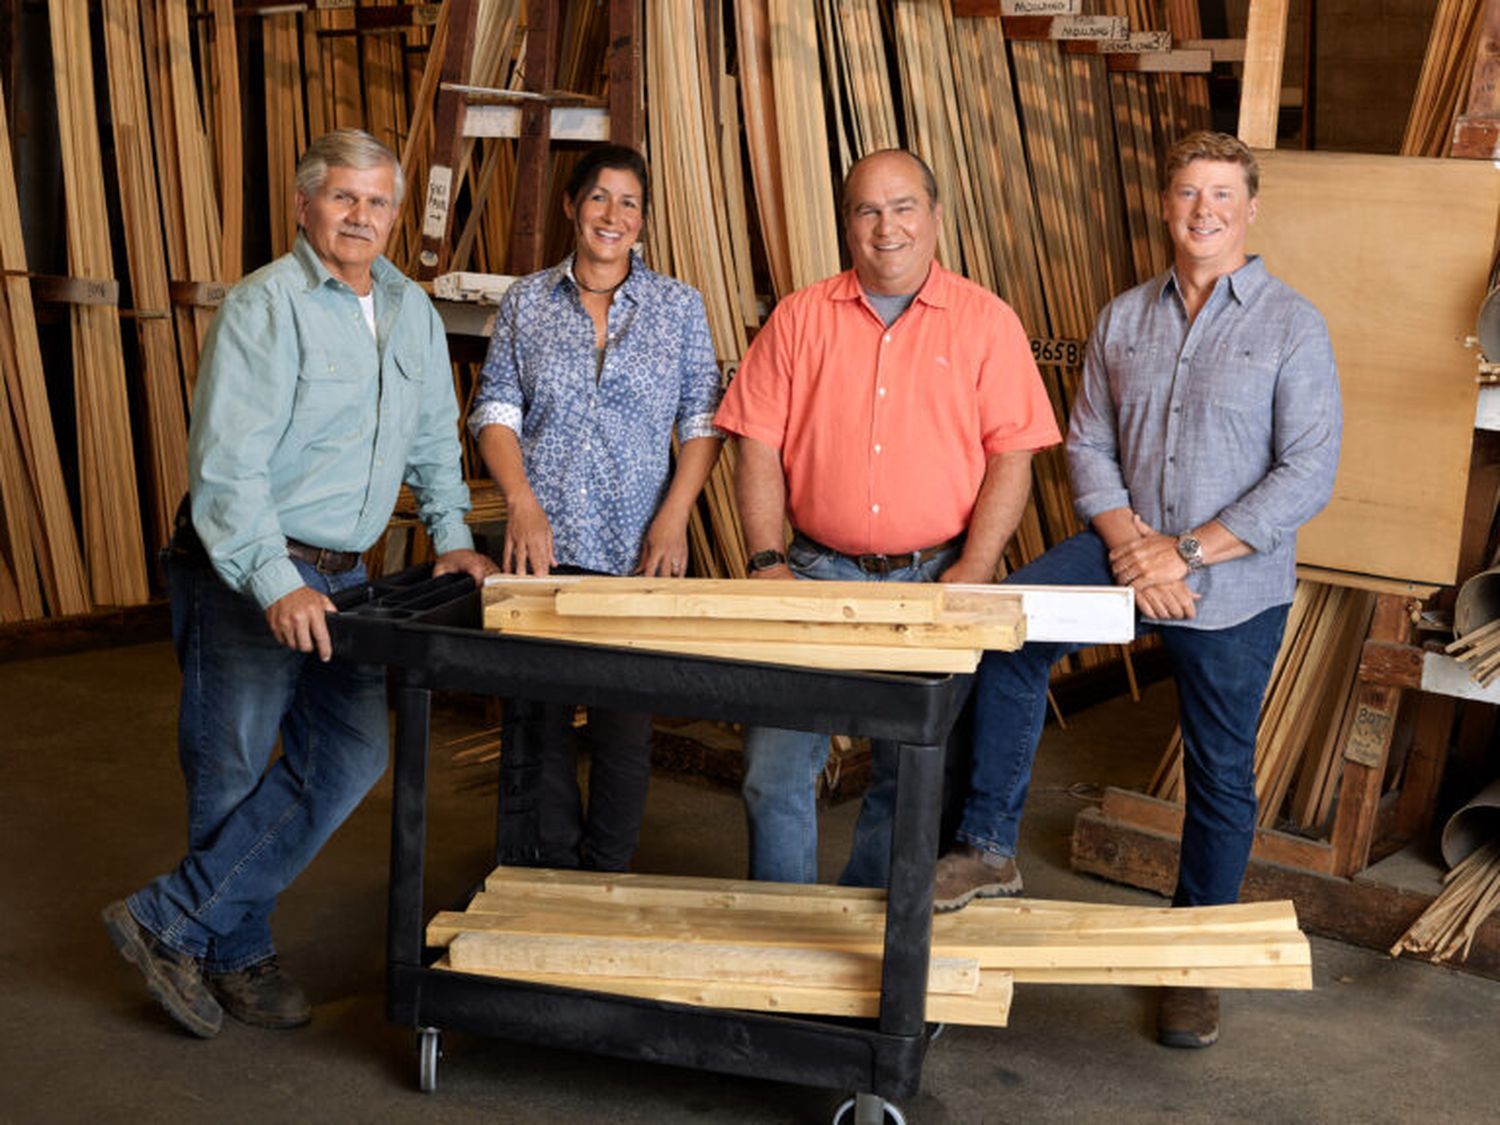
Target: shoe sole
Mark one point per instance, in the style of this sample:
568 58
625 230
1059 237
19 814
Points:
987 890
125 932
1186 1039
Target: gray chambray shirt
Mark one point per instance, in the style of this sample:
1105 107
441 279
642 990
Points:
1235 416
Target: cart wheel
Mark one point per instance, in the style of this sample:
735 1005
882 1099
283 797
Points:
429 1050
868 1109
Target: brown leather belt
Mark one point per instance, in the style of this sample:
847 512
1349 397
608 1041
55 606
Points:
884 564
321 558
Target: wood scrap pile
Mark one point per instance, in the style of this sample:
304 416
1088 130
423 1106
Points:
817 949
1471 891
873 626
1479 651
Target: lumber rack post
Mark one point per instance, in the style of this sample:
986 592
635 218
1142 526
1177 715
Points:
1476 133
1134 838
622 122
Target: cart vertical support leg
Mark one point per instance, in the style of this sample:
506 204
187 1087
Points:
908 919
404 936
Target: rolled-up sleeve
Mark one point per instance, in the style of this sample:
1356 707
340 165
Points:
499 400
1305 443
699 396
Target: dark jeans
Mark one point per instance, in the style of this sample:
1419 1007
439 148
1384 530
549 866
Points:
251 830
606 837
1221 677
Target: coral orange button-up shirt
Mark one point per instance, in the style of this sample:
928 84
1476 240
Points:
884 432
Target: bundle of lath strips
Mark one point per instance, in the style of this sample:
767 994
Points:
874 626
818 949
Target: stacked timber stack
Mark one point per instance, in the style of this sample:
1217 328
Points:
874 626
818 949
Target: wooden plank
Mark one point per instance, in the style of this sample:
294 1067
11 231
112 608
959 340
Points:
1285 977
669 959
953 936
797 654
989 1006
1137 810
1363 910
965 631
749 599
1398 310
1394 665
1260 85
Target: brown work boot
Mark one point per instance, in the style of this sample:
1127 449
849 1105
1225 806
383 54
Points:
1188 1017
262 996
967 872
175 979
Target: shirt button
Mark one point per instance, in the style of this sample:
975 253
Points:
886 339
1176 410
880 391
877 448
1171 460
875 508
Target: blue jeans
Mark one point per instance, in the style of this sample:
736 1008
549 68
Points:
782 766
1221 677
251 830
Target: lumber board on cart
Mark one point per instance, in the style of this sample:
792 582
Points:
746 599
676 959
989 1006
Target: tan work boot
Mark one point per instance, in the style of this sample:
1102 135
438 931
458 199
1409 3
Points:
175 979
966 873
1188 1017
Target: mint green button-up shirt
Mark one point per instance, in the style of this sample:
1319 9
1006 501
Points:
305 428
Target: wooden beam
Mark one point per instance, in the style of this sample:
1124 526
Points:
1260 85
528 223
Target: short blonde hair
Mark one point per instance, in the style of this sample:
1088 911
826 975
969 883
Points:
1206 145
345 148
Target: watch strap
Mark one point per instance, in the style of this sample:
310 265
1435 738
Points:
765 560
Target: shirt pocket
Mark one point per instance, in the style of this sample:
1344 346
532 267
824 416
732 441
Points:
1139 372
1239 378
330 390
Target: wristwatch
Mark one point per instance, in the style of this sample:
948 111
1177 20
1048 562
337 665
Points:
1191 551
764 560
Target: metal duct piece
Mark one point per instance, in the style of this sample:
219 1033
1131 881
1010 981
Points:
1472 826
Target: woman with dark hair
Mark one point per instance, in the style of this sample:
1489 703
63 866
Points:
592 364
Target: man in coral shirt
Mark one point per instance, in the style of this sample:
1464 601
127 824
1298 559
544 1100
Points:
890 414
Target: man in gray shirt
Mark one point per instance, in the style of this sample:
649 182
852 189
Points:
1205 433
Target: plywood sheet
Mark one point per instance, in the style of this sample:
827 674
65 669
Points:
1395 252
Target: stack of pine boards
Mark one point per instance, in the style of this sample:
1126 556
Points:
872 626
816 949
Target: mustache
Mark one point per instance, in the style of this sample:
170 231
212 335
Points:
358 230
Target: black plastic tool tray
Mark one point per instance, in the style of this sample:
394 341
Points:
430 629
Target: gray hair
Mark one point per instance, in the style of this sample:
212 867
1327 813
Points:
345 148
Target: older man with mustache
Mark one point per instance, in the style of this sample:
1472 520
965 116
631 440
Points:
324 385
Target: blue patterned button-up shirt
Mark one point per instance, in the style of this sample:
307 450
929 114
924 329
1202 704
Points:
1234 417
597 449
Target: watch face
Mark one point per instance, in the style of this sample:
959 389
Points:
1191 551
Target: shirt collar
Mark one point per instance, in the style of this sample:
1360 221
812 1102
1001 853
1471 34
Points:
383 274
937 290
1243 283
562 274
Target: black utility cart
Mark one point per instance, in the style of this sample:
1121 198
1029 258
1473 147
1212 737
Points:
430 631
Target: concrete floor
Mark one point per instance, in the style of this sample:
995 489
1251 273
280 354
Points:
90 807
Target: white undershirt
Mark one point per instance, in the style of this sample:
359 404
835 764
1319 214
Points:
367 306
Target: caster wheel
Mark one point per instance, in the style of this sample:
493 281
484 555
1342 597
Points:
867 1109
429 1050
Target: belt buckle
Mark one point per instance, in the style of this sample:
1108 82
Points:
874 564
322 565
